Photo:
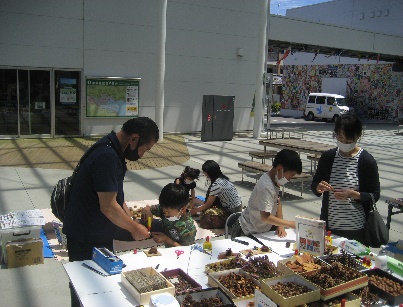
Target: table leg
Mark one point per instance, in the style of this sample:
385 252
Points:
389 218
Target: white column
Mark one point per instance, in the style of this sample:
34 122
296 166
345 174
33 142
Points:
160 76
261 69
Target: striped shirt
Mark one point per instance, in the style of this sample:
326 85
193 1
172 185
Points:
345 214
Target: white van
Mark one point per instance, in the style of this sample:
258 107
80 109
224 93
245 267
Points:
326 106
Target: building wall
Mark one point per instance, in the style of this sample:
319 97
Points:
119 38
373 15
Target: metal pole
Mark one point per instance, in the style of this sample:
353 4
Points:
160 78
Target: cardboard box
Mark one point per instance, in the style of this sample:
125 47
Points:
352 301
311 296
16 234
171 275
326 294
220 265
107 260
24 252
213 281
208 293
310 235
144 298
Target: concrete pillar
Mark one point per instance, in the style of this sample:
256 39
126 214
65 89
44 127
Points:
160 76
261 69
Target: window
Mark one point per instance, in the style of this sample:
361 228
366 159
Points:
311 99
330 101
321 100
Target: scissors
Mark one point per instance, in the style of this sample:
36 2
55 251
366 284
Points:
199 248
178 252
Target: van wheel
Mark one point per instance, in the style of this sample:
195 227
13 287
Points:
335 117
310 116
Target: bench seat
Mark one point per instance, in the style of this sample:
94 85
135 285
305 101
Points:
263 155
259 168
314 161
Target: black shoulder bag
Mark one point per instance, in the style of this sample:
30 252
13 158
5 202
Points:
376 232
61 191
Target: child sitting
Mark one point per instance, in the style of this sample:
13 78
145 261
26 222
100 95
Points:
177 224
188 180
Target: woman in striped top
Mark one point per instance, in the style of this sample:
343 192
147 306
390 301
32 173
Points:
348 178
222 197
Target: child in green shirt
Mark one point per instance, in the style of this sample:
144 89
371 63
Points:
177 224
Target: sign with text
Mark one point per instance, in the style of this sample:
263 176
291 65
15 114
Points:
112 97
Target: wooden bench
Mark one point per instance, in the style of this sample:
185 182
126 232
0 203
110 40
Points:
314 160
299 178
259 168
263 155
253 167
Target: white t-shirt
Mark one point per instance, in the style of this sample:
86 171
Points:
263 198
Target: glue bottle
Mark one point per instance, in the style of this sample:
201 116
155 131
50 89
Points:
381 260
328 238
207 245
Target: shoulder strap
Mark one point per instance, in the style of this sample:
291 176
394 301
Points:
87 153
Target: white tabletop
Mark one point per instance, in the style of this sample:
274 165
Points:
96 290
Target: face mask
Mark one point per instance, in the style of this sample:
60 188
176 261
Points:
345 147
173 218
281 181
132 155
188 181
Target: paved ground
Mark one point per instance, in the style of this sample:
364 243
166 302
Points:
30 187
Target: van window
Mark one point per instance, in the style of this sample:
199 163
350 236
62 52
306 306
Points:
311 99
321 100
342 101
330 101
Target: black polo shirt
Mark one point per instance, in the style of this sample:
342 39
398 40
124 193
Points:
102 171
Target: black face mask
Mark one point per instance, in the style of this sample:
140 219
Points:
132 155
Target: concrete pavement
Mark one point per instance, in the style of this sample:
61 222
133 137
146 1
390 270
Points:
28 188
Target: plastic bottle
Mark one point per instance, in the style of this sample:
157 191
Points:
381 260
207 245
328 238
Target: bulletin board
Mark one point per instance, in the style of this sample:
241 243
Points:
112 97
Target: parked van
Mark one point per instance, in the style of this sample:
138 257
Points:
326 106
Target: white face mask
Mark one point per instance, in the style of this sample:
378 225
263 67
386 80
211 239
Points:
174 218
188 181
345 147
281 181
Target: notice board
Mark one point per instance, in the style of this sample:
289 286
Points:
112 97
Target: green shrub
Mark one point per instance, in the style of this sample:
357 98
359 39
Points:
275 107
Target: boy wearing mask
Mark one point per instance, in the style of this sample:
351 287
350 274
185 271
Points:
177 224
264 211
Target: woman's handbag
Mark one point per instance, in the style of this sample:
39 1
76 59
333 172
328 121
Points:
376 232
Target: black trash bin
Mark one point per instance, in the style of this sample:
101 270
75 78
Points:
217 118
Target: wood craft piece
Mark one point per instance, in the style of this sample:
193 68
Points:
152 252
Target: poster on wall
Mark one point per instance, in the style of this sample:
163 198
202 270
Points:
112 97
68 91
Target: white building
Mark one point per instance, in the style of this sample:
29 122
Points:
49 48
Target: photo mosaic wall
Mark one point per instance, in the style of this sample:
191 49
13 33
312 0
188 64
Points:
372 89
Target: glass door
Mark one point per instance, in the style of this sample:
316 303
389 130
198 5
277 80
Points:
67 103
25 102
34 102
